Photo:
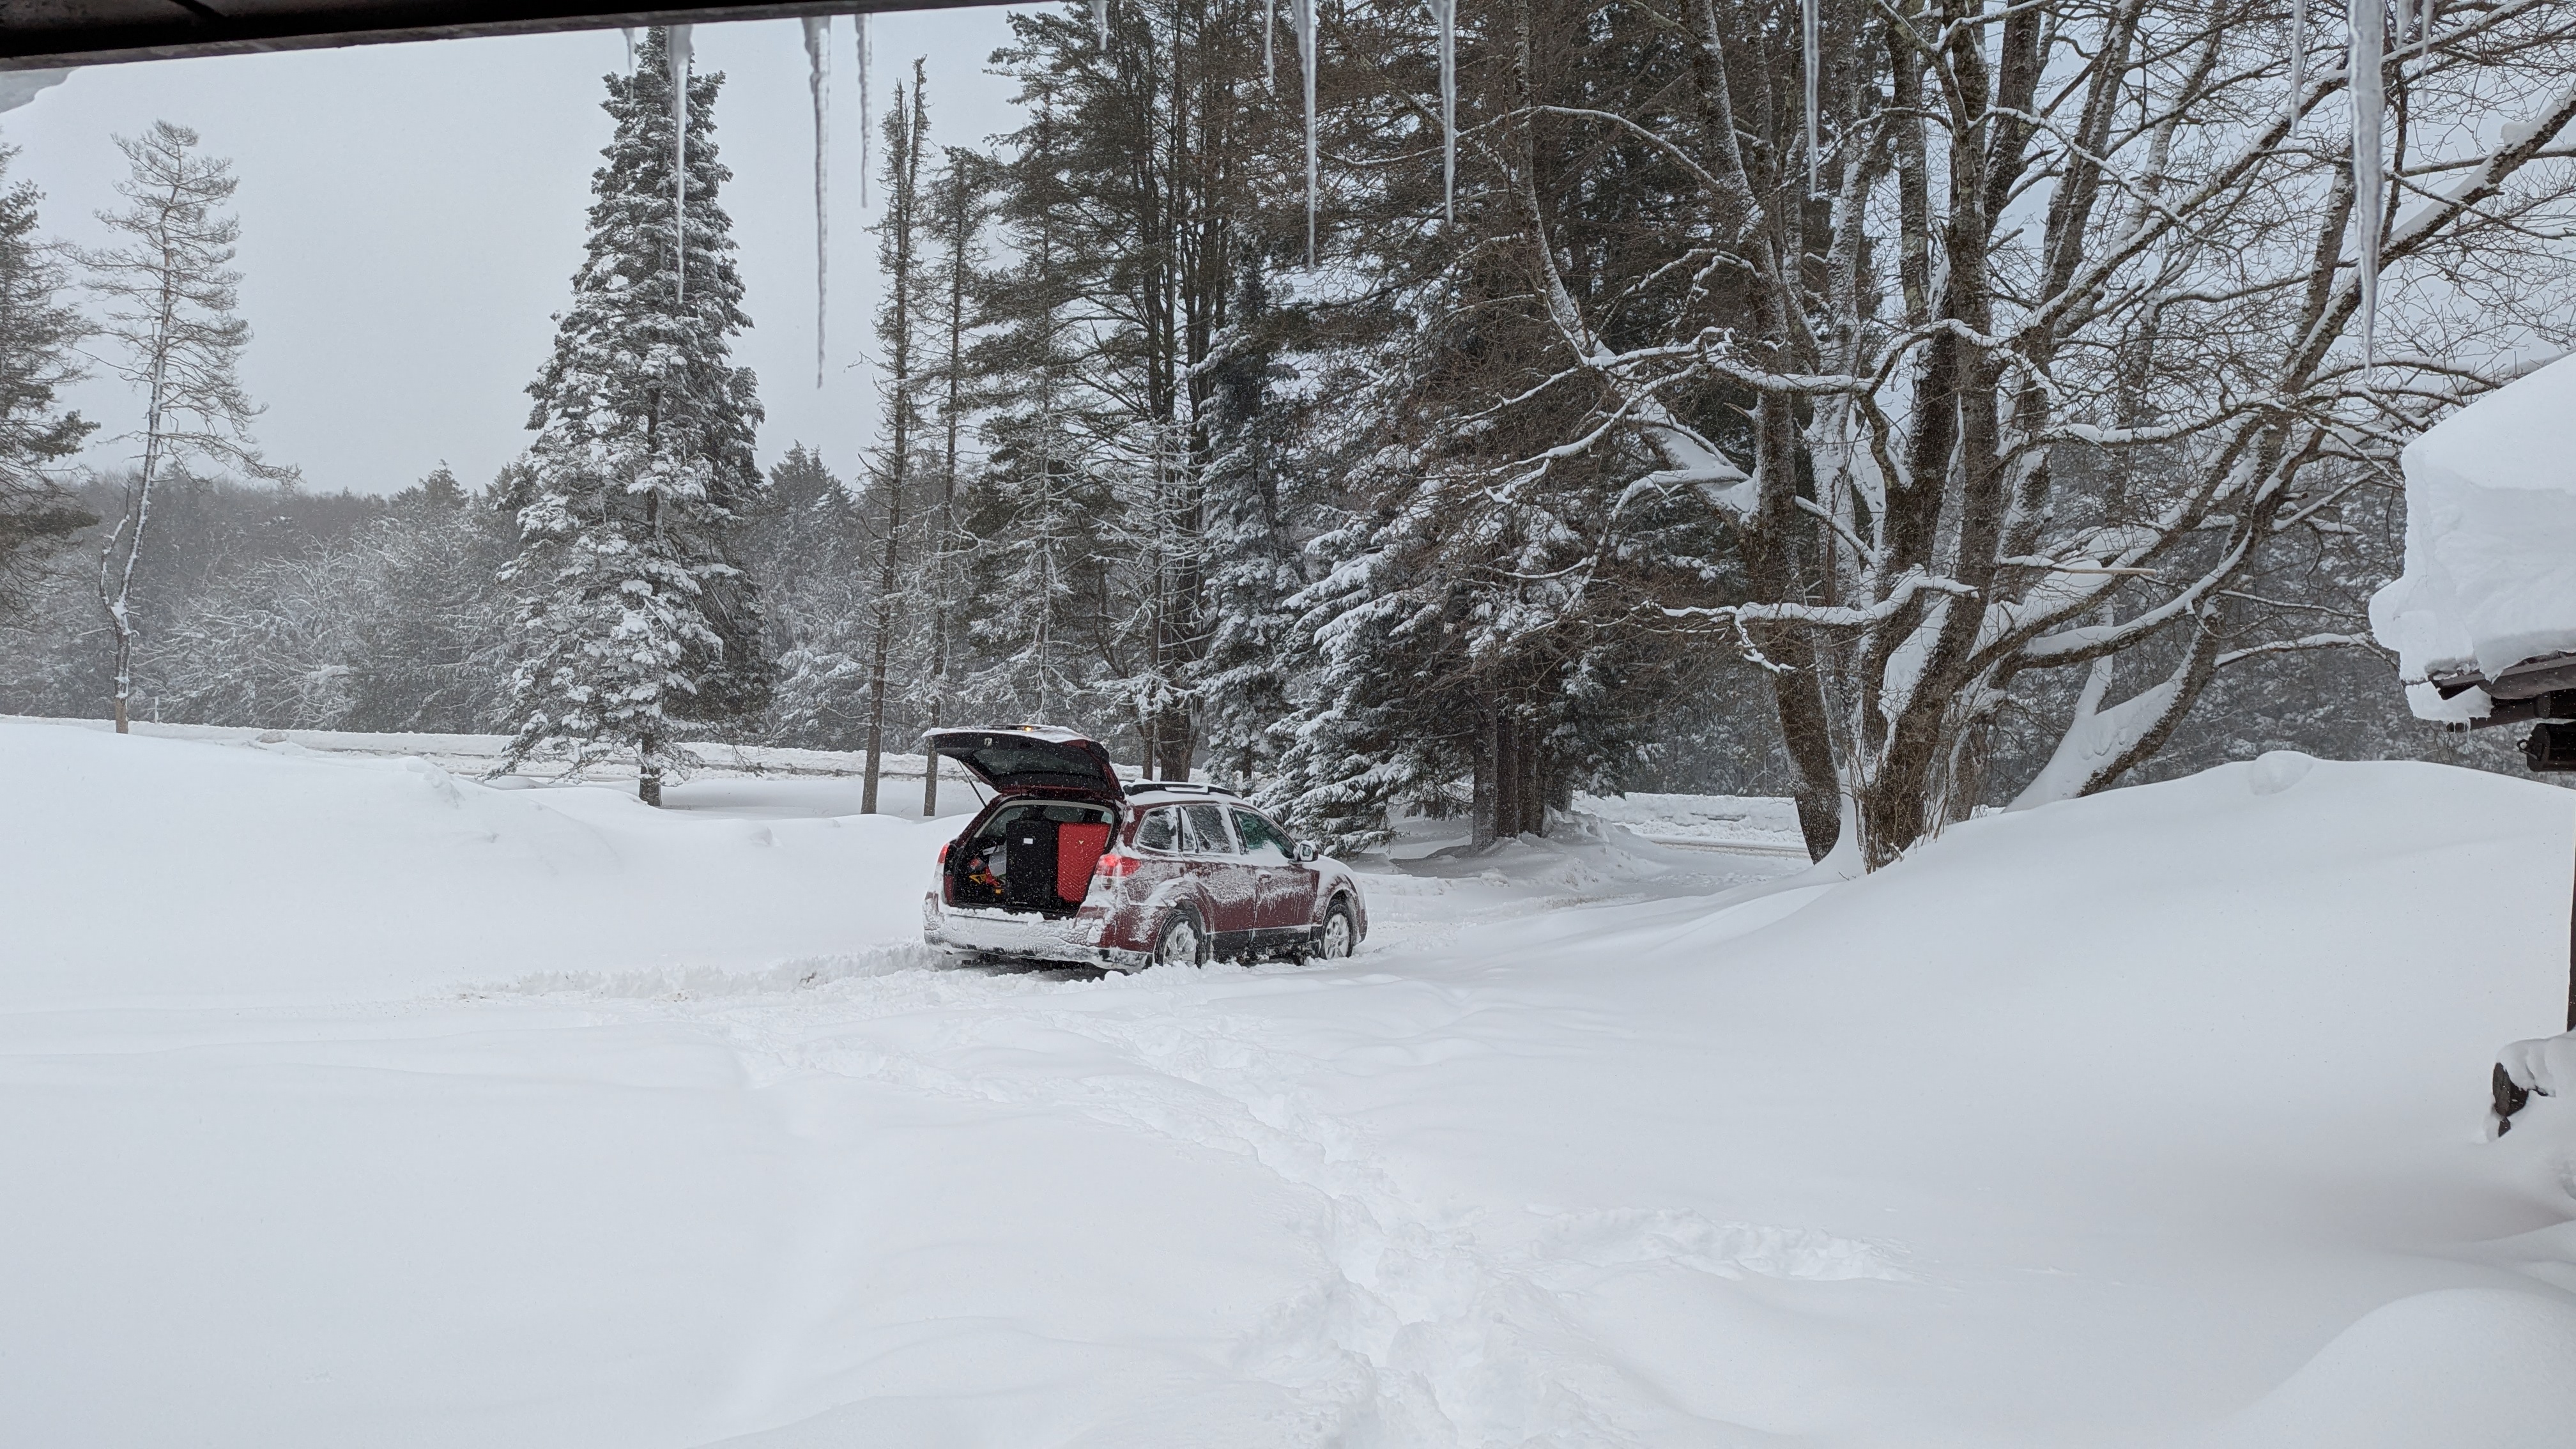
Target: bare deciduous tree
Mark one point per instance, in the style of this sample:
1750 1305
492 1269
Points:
170 293
2047 366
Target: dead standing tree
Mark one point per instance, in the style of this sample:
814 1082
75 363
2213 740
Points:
2125 228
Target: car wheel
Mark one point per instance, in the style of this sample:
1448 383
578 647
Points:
1181 942
1339 935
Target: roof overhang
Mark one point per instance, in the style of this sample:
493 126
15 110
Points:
46 34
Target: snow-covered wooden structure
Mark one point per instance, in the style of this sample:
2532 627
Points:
2484 617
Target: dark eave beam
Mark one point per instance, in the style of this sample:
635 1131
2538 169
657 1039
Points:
44 34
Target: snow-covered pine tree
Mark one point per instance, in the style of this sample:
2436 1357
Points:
960 200
899 321
806 537
1254 572
1035 581
432 637
638 628
1159 156
38 331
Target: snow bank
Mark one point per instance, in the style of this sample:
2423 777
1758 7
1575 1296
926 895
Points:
2485 1366
2490 577
479 755
135 868
2546 1065
1750 824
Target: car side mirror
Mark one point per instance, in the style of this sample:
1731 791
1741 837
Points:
1305 850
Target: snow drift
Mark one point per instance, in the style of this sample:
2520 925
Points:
350 1104
137 867
2490 577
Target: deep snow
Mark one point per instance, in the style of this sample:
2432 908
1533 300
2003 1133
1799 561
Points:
347 1101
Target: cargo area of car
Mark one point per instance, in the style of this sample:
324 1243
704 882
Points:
1030 855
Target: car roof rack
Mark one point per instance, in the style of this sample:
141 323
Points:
1184 787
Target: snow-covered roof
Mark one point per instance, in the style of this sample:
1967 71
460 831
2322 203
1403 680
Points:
2490 577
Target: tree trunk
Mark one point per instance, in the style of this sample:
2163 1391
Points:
1507 774
1533 791
1172 745
648 772
930 770
904 131
1480 773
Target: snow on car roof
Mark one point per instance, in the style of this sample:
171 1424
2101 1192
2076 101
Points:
1055 734
1154 791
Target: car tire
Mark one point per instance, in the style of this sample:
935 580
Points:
1339 936
1181 940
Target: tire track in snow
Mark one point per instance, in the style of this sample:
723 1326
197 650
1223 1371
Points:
1429 1328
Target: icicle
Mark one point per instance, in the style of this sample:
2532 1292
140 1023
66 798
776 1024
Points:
1301 17
1269 50
1811 47
2369 19
867 114
1444 14
818 78
1100 20
678 54
2298 54
629 32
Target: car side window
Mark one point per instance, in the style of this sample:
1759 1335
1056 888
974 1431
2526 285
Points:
1262 840
1155 831
1203 831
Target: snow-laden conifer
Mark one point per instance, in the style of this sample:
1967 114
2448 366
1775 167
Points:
38 334
638 629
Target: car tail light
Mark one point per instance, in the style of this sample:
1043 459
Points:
1114 866
943 850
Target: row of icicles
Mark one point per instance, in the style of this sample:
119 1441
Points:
2367 20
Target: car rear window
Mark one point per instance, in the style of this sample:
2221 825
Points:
1157 829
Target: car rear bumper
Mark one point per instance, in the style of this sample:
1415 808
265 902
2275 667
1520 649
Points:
1075 940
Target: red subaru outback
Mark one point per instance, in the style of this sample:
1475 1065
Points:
1066 863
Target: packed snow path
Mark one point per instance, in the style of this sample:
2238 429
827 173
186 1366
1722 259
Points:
350 1102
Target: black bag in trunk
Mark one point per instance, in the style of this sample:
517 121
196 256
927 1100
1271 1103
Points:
1031 879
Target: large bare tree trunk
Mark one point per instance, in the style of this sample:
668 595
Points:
907 129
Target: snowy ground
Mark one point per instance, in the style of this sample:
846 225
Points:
345 1101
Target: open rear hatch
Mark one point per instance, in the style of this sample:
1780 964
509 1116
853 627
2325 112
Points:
1031 760
1036 852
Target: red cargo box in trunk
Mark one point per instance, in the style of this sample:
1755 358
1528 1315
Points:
1077 850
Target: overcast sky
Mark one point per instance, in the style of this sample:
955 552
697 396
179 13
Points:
411 216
